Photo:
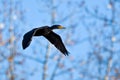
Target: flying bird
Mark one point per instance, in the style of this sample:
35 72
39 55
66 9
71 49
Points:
48 33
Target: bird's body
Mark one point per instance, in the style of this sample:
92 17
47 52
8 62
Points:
47 32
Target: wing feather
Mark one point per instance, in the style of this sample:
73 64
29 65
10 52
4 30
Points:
57 42
27 38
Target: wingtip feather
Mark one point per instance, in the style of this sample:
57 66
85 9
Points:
67 53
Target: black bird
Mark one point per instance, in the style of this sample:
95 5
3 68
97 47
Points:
47 32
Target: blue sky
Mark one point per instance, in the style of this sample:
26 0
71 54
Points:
36 14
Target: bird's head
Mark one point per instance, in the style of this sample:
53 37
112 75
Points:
57 27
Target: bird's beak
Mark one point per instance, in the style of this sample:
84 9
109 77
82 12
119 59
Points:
61 27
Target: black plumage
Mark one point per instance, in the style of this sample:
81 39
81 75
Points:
47 32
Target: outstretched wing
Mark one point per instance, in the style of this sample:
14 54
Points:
28 38
57 42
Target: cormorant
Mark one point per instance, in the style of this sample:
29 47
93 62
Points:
47 32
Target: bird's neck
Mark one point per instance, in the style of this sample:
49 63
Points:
53 27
